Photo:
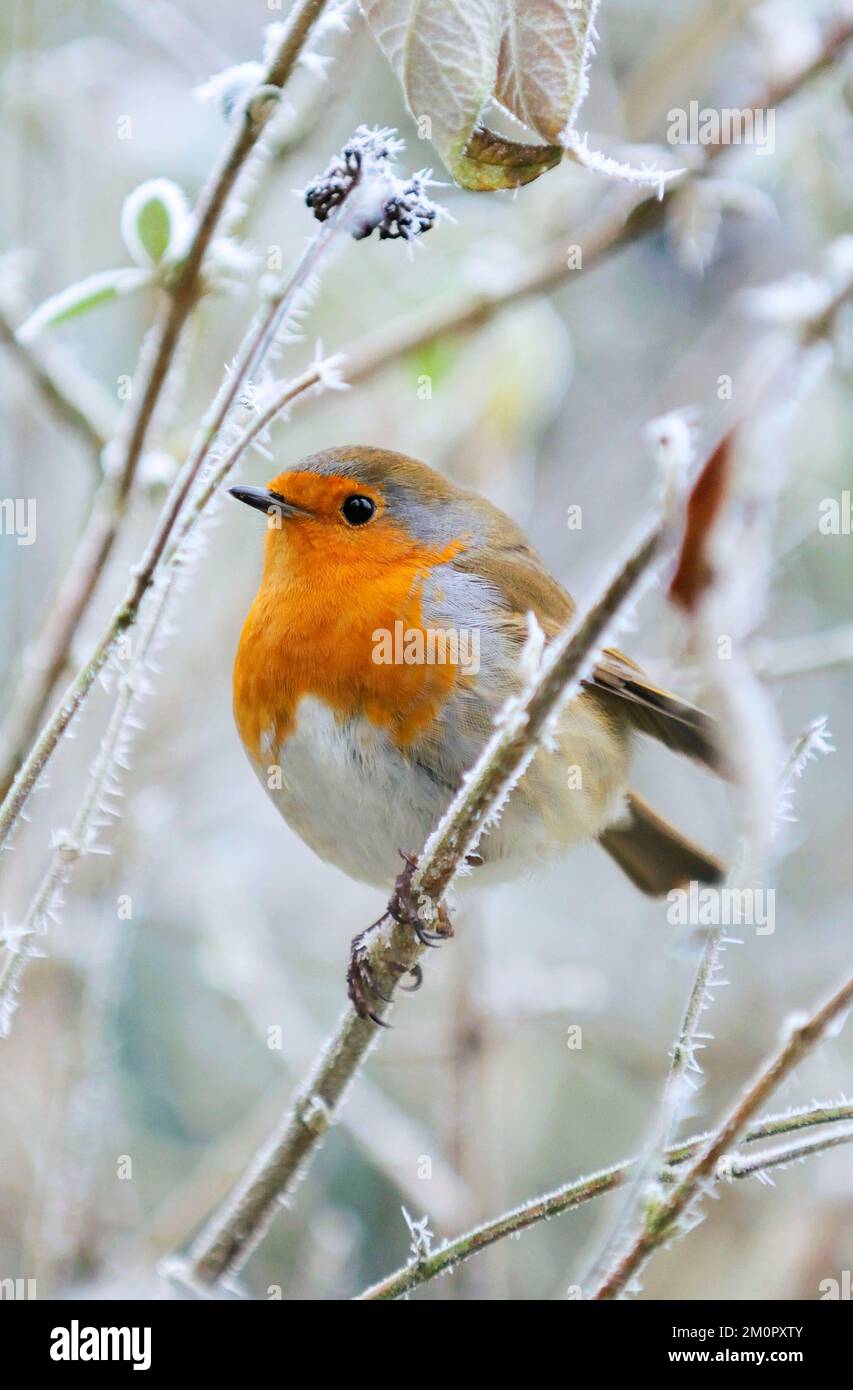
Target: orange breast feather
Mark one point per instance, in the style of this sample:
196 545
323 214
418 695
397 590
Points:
311 631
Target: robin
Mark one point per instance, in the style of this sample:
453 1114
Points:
383 641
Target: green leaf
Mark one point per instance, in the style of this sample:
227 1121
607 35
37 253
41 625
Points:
81 297
154 226
155 222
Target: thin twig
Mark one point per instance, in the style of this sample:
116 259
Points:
65 387
575 1194
142 576
388 1136
719 603
72 845
662 1222
99 536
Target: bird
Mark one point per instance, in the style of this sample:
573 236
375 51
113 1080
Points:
384 639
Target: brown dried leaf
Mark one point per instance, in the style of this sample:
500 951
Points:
694 571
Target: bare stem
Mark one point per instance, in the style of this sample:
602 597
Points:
65 388
662 1223
50 655
575 1194
73 845
247 358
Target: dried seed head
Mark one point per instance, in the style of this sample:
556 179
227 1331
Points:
396 208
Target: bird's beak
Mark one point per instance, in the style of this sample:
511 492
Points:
265 501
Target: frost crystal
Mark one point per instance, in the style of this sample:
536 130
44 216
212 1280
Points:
647 176
421 1234
232 89
814 740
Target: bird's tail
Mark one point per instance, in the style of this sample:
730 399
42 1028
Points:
653 854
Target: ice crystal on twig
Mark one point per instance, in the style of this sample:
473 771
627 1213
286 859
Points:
422 1236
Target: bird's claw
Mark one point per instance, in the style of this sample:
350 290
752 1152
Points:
361 985
418 978
404 906
362 988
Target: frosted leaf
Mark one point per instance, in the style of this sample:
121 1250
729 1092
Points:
81 297
156 222
543 62
231 89
445 57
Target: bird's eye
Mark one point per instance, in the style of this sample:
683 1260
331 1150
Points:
357 509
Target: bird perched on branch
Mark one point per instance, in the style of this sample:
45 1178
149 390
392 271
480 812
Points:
384 639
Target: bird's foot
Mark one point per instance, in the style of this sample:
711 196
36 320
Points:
365 994
405 906
362 989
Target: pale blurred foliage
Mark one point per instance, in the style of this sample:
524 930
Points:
148 1038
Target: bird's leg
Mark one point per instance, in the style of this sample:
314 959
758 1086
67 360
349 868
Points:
404 906
362 987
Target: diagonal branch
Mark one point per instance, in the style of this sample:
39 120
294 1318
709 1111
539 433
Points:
98 539
662 1223
72 395
575 1194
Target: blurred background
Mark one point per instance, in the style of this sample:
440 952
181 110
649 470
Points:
192 973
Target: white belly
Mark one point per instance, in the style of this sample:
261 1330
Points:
356 801
349 794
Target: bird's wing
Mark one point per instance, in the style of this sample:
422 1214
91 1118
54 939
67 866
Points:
622 686
514 572
616 681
